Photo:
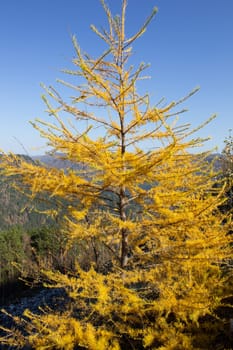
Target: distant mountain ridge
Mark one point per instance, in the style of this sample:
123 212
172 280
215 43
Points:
59 163
54 161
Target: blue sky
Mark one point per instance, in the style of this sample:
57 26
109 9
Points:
188 44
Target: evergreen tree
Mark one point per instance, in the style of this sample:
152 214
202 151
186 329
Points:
227 169
139 195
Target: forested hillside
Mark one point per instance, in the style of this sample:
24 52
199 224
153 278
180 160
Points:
27 235
16 209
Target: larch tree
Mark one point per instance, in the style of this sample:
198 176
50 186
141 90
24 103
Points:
142 196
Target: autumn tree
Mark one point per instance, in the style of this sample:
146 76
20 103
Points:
142 195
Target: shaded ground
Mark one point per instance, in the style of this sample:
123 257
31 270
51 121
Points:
17 298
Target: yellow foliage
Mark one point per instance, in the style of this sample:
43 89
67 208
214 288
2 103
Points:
138 199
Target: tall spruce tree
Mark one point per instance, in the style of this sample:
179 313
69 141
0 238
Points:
227 171
141 196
